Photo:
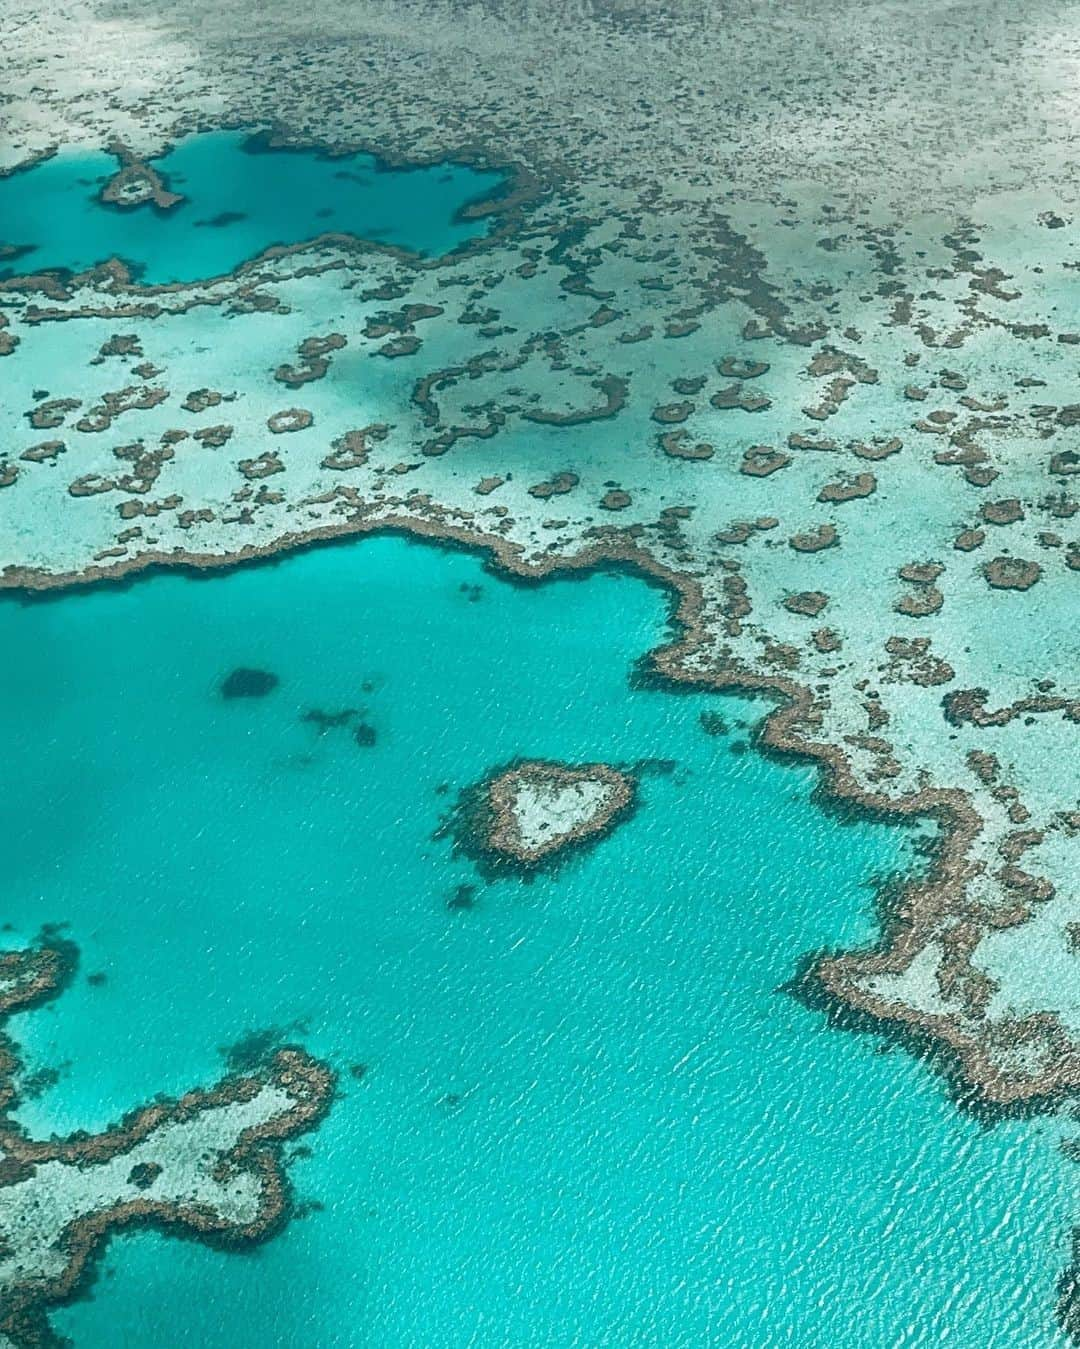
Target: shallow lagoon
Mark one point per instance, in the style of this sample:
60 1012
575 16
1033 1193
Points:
589 1113
240 199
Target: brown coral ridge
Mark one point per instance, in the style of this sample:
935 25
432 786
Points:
969 705
961 1050
612 387
34 974
28 977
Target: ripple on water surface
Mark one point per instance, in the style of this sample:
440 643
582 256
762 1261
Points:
587 1114
238 199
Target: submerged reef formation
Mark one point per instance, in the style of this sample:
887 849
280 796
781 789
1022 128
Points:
535 810
206 1164
802 351
136 184
247 683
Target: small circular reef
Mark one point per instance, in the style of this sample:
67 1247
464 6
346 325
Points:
532 812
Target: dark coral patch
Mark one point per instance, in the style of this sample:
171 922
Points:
248 683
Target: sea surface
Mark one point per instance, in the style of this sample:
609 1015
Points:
241 199
589 1112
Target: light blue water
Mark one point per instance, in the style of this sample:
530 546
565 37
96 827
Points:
652 1144
280 196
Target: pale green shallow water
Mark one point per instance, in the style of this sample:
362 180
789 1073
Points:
653 1145
240 201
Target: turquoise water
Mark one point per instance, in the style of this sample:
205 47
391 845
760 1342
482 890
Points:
590 1116
239 202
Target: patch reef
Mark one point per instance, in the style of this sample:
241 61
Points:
536 809
207 1164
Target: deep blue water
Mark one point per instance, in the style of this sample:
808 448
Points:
239 202
646 1141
